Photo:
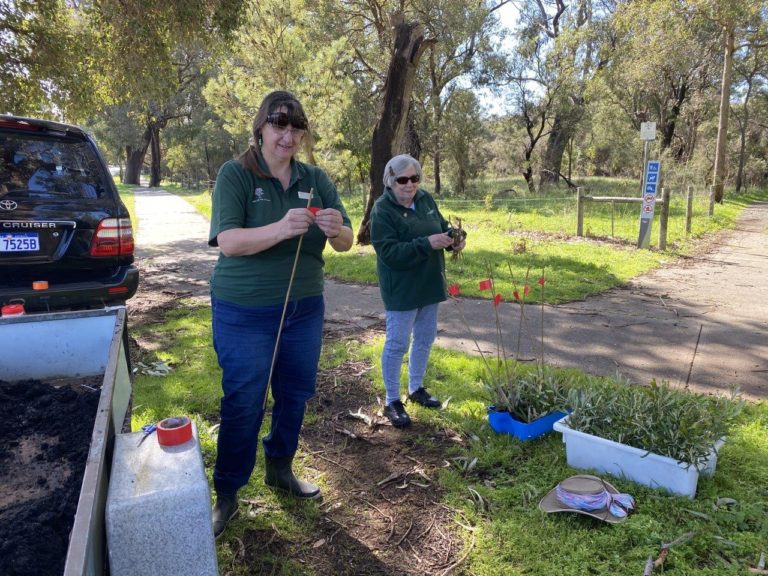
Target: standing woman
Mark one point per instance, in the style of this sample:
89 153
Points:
409 235
259 214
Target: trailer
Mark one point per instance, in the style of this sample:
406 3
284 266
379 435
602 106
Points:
61 346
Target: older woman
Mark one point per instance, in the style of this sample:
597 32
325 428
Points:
409 235
260 213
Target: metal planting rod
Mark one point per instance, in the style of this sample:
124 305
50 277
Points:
285 307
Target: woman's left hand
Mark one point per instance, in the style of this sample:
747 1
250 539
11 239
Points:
329 220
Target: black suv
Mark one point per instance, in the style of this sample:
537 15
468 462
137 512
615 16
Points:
66 240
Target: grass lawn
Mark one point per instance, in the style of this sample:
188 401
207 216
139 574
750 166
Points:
515 238
489 483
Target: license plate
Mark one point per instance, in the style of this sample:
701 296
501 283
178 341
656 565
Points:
19 243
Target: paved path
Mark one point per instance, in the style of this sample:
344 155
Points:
646 329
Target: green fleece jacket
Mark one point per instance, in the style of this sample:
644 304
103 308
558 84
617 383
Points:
410 271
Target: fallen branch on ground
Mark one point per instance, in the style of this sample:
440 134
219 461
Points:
664 550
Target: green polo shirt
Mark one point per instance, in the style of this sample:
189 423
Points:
243 200
410 271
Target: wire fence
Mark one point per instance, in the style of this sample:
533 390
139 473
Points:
604 220
557 214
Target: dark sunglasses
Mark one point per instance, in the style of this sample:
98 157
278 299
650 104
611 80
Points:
404 179
281 120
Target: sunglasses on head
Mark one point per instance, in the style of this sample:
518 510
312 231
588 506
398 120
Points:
282 120
404 179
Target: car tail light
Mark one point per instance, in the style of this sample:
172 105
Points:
113 237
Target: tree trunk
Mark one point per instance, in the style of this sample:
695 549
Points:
413 142
742 149
668 125
436 169
528 172
208 167
563 129
557 141
134 159
389 131
154 170
722 125
743 126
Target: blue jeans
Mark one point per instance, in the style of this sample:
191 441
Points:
244 339
422 323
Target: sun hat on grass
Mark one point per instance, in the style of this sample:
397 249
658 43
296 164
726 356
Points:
591 496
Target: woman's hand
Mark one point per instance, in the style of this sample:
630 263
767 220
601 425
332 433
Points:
295 223
440 241
329 220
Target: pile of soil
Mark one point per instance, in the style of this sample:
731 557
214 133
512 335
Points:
44 442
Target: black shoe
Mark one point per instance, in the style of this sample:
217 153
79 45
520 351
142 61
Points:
280 475
223 512
421 396
396 413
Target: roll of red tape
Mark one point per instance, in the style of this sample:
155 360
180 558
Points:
174 431
12 310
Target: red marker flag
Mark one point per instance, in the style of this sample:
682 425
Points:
496 299
516 295
314 209
541 281
526 290
454 289
485 284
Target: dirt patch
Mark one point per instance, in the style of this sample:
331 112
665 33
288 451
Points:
381 511
157 295
44 444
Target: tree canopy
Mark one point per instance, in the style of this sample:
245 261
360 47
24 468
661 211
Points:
153 77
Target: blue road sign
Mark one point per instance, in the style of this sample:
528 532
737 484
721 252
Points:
651 179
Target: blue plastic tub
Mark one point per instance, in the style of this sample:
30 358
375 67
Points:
504 423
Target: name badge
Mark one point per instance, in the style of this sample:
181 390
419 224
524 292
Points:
305 195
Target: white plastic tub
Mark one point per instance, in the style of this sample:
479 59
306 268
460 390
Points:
588 452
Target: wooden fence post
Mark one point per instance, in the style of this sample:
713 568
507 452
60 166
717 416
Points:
664 219
689 210
711 200
579 211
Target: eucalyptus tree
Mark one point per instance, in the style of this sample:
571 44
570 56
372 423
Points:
152 54
279 47
141 121
742 25
42 72
465 44
390 41
463 139
196 148
662 57
536 83
751 75
533 89
565 36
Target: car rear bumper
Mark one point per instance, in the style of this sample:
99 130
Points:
77 295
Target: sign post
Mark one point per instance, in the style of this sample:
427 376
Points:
651 180
648 194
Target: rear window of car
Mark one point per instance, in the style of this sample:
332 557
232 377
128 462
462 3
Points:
34 167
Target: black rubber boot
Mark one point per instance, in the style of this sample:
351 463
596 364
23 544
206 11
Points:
224 510
280 475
